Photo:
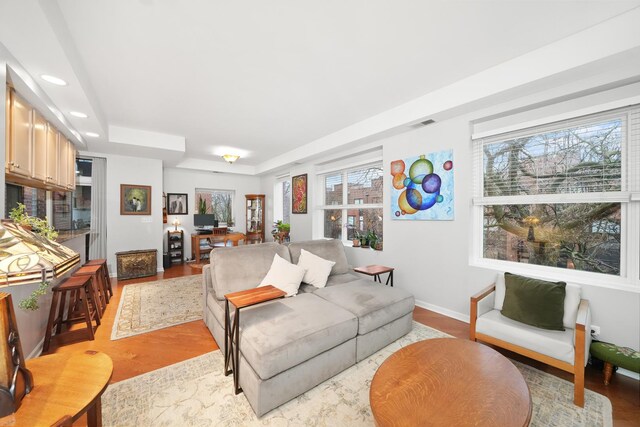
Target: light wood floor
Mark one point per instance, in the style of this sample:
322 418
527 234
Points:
147 352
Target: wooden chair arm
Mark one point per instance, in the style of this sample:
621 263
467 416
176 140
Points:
581 319
473 309
482 294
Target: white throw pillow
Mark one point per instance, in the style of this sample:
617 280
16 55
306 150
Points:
284 275
317 269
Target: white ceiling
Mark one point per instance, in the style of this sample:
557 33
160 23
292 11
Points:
263 77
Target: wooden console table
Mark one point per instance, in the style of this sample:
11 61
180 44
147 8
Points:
196 252
66 386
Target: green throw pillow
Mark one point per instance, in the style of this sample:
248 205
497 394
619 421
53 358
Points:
534 302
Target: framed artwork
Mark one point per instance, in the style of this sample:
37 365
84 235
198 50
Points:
422 187
177 204
299 194
135 199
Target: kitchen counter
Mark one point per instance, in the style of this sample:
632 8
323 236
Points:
65 235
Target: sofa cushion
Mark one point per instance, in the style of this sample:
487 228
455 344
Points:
331 249
317 269
571 300
338 279
278 335
556 344
374 304
284 276
230 266
535 302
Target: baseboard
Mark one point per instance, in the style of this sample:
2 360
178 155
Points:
445 311
465 318
628 373
36 351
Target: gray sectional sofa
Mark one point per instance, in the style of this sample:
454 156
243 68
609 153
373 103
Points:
290 345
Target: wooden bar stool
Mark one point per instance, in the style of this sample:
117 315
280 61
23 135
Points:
103 263
82 307
98 282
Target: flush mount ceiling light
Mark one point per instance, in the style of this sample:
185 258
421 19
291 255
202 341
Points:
53 80
78 114
230 158
92 134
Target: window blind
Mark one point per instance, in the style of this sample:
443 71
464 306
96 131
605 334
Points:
574 160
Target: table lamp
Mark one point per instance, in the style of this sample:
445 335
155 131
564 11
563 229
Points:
176 223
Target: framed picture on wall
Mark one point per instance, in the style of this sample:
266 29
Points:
135 199
299 194
177 204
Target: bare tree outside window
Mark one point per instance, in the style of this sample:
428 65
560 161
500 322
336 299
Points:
581 236
217 202
364 187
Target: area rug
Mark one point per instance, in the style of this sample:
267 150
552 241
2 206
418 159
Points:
150 306
196 393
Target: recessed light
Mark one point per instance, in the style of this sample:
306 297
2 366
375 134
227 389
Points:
92 134
54 80
78 114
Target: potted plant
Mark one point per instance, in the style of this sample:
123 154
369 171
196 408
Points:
281 231
202 205
372 238
39 226
356 239
364 240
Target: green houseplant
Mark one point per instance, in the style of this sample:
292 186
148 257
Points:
39 226
356 238
372 239
31 302
202 205
281 231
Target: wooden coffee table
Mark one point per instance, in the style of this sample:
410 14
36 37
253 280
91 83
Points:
449 382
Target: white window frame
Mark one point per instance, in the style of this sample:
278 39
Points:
629 197
278 198
344 206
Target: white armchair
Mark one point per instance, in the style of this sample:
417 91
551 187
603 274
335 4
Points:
564 350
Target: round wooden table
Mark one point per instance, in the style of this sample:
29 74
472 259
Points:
66 386
449 382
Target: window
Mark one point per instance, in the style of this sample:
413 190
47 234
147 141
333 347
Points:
217 202
72 210
282 201
65 210
356 206
561 195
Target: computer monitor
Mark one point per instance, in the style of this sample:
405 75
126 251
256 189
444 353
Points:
205 220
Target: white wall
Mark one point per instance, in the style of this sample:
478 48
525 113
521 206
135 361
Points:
432 257
301 224
186 181
132 232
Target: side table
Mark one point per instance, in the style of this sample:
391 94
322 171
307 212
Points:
376 271
66 386
241 300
